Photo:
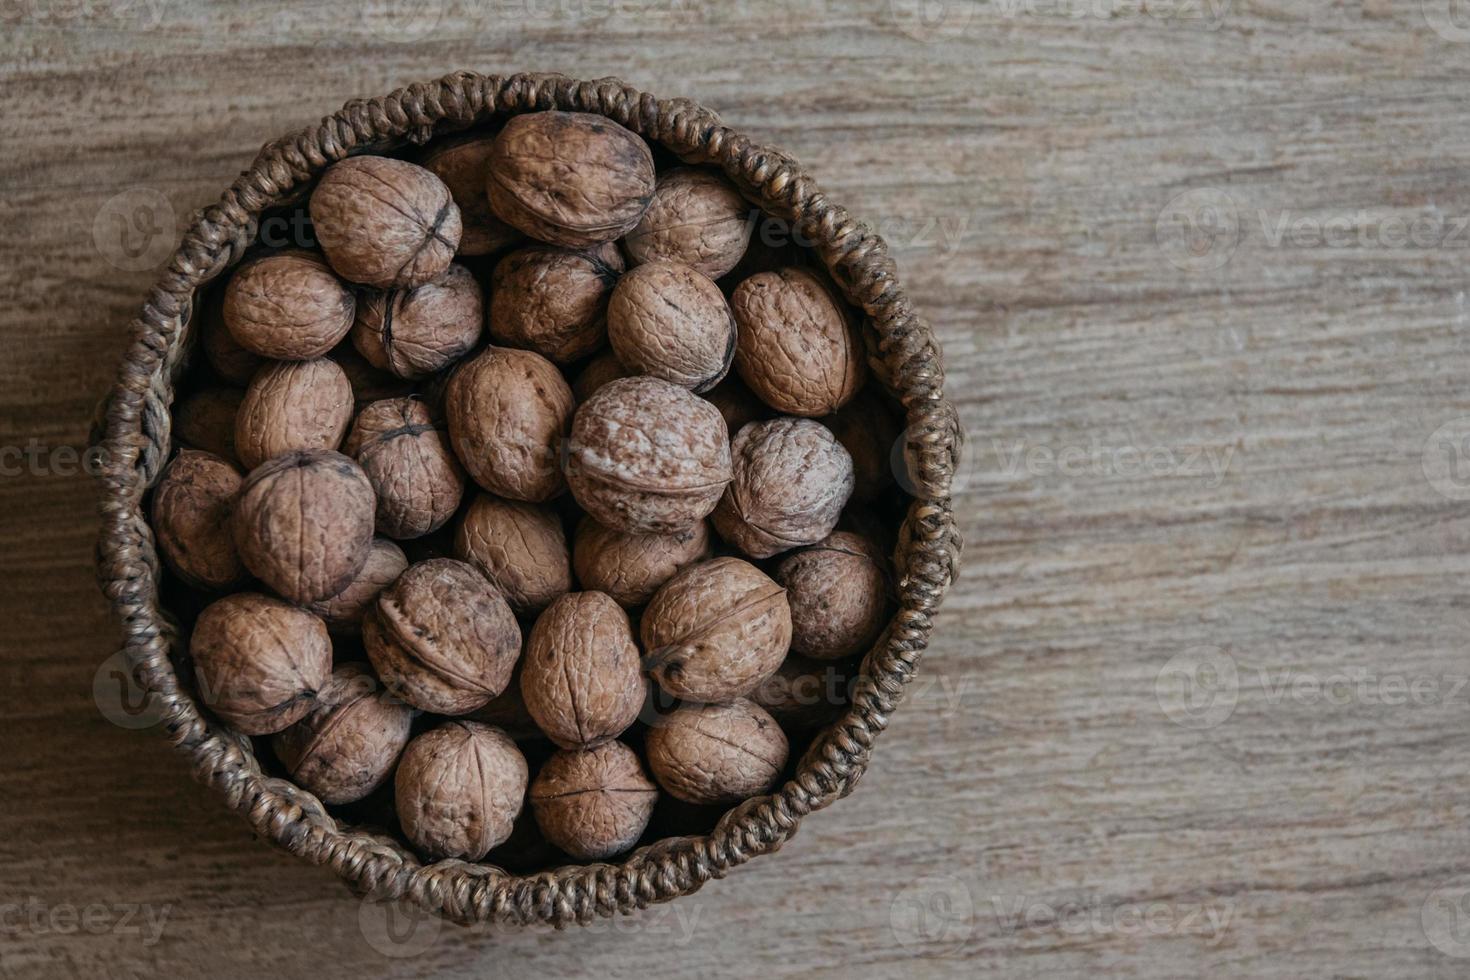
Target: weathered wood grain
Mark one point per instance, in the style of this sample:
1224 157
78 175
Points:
1182 457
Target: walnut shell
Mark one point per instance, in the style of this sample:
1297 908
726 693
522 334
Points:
369 384
416 332
554 300
459 789
206 420
791 479
632 567
798 348
838 595
508 411
304 523
593 803
462 164
869 432
192 505
346 745
520 547
385 223
442 638
406 456
234 364
293 405
582 677
647 456
737 404
569 178
288 306
599 371
805 694
671 321
716 630
259 661
717 753
343 612
696 217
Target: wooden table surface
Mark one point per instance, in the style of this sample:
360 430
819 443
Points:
1199 701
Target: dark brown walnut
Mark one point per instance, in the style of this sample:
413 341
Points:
790 480
442 638
737 404
520 547
670 321
508 411
343 612
599 371
696 217
647 456
593 803
554 300
870 433
805 694
717 753
369 384
632 567
798 348
385 223
462 164
405 453
507 711
459 789
289 306
206 420
293 405
416 332
838 595
234 364
716 630
582 678
346 745
192 506
569 178
304 523
259 661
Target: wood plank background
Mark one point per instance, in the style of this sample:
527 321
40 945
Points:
1199 701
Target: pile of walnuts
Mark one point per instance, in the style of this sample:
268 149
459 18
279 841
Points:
476 513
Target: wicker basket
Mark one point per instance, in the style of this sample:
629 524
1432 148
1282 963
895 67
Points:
137 442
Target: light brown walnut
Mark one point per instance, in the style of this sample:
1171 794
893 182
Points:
192 508
717 753
671 321
593 803
293 405
696 217
416 332
737 404
462 162
343 612
405 453
838 590
288 306
632 567
554 300
369 384
599 371
520 547
459 789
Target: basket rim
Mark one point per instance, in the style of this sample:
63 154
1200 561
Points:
136 444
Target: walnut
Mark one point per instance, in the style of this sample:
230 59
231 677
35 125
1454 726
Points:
233 363
554 300
304 523
288 306
293 405
737 404
520 547
191 519
343 612
459 788
206 420
582 677
838 594
405 453
599 371
442 638
671 321
507 711
791 478
416 332
717 753
798 348
508 411
569 178
593 803
869 432
369 384
632 567
696 217
346 745
716 630
259 661
805 694
462 164
647 456
385 223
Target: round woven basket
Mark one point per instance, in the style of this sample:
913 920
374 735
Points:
137 442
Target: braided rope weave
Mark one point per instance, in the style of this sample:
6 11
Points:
137 439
